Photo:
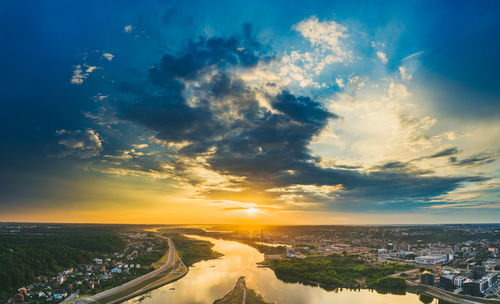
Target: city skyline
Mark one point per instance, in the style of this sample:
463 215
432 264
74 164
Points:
263 113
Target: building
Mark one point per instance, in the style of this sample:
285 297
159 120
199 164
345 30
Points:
475 288
427 278
491 278
446 281
471 288
478 272
404 247
459 281
431 259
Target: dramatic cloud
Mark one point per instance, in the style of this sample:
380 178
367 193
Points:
336 111
250 142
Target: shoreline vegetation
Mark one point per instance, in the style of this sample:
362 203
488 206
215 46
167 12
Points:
241 294
338 271
192 251
328 272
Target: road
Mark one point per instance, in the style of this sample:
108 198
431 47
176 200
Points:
449 296
71 297
168 264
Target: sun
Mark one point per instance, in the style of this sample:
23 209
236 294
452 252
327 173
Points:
251 211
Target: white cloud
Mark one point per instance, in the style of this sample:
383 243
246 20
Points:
412 55
324 34
127 28
325 38
340 82
100 97
405 75
398 91
382 56
108 56
323 190
79 75
90 69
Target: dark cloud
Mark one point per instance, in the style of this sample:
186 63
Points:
445 152
194 98
474 160
400 167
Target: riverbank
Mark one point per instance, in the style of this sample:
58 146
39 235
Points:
168 269
212 279
240 294
337 271
192 250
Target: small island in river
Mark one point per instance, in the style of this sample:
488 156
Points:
241 294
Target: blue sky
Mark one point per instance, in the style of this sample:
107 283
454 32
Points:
328 111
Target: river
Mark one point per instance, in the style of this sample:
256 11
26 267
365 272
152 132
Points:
207 281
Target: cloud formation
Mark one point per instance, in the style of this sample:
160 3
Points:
79 143
250 141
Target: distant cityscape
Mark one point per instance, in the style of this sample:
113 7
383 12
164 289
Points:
460 260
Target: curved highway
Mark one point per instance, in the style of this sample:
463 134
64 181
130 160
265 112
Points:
117 289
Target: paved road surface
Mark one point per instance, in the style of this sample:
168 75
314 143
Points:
70 298
168 264
244 300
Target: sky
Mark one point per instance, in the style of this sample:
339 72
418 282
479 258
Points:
263 112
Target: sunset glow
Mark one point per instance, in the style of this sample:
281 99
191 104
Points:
334 113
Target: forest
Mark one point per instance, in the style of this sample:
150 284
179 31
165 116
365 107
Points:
46 250
336 271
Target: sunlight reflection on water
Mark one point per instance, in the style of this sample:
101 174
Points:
210 280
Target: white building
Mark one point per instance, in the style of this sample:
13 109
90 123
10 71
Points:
431 259
491 278
459 281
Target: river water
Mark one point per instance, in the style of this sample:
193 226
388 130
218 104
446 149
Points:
207 281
